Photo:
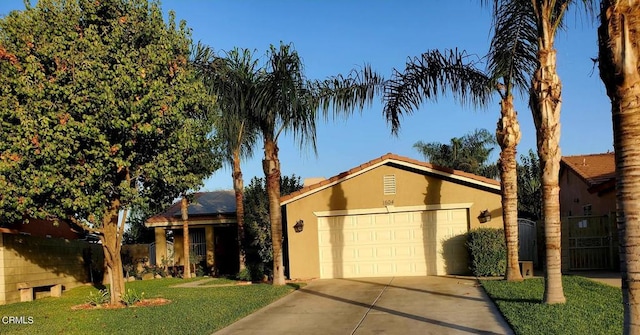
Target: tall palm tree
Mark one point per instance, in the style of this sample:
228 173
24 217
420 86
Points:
184 211
290 103
619 62
233 79
511 62
545 103
512 59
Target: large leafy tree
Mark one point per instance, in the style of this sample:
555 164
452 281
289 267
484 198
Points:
288 102
511 61
469 153
619 60
100 112
233 79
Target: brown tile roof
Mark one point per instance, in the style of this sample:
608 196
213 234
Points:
203 204
594 169
395 159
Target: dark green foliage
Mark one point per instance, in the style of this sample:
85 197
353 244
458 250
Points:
591 307
137 232
469 153
488 251
257 242
529 187
101 106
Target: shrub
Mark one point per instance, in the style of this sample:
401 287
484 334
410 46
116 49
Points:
253 272
102 297
488 251
131 297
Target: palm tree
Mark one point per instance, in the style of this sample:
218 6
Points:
545 103
289 103
233 79
511 62
184 210
620 73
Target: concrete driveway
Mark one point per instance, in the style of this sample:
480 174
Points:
399 305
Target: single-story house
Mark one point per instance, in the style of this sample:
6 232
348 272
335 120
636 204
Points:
391 216
587 207
212 232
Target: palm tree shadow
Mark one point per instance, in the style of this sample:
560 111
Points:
398 313
414 289
337 201
429 225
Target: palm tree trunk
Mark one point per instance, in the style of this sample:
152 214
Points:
620 73
546 91
185 237
271 167
508 136
238 187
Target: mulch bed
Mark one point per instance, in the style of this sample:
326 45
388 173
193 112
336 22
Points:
141 303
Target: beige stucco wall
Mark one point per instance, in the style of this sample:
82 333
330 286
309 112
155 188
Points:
43 261
365 191
574 196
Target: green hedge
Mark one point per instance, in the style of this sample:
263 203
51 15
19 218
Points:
488 252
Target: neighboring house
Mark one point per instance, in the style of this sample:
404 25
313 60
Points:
587 207
587 185
44 228
212 231
391 216
40 258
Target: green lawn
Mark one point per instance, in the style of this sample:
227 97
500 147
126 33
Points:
591 308
200 310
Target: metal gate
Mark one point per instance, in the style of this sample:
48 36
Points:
590 242
527 241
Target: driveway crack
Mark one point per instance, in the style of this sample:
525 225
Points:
371 306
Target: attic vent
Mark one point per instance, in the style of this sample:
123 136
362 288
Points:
389 184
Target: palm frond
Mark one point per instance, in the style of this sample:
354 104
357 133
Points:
285 102
431 75
512 56
343 95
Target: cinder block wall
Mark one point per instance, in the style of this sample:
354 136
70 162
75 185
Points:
45 261
139 254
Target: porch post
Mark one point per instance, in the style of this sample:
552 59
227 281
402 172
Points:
210 240
161 245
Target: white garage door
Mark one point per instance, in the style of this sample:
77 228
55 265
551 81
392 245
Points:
413 243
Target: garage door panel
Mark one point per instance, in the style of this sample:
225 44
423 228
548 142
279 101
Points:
394 244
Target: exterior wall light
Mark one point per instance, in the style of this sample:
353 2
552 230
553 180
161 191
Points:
299 226
485 216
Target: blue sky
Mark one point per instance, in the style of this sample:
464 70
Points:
333 37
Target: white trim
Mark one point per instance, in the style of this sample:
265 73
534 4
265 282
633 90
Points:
398 162
392 209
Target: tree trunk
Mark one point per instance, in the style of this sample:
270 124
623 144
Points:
184 206
508 136
546 90
271 167
620 71
238 187
111 245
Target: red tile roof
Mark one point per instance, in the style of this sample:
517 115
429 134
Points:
594 169
395 159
